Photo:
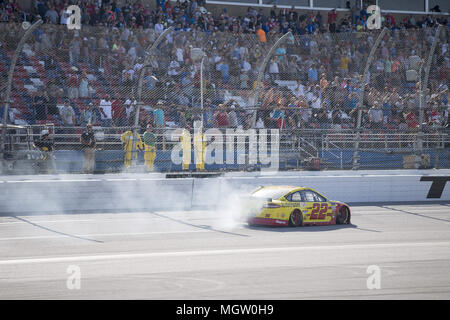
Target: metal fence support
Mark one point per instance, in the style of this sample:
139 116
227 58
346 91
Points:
146 63
261 70
22 41
422 97
201 83
361 98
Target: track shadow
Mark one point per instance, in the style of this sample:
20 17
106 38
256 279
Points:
306 228
55 231
204 227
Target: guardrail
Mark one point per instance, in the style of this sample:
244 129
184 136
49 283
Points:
315 138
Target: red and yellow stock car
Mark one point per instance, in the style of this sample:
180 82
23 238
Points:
294 206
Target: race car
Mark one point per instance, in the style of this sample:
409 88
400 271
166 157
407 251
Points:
293 206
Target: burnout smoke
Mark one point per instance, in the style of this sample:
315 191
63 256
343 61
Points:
145 200
223 200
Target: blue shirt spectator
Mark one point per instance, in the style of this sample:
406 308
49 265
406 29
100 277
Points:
158 116
312 74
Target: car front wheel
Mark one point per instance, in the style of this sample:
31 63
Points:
343 216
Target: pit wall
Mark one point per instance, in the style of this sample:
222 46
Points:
125 192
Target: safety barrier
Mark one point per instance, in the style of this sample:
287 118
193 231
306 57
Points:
125 192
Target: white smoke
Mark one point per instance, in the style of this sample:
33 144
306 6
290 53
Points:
151 198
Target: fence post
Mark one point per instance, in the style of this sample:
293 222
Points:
9 83
361 98
196 55
262 67
422 100
201 84
148 52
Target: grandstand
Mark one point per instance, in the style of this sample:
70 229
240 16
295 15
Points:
310 87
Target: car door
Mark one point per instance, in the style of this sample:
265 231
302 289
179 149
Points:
317 208
293 201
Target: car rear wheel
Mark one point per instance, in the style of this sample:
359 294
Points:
343 216
296 218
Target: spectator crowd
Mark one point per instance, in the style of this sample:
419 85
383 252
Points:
312 81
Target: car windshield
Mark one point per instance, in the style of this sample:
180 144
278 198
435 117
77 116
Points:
272 193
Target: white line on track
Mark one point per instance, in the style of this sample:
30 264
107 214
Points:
51 181
147 218
391 210
42 221
92 180
101 235
214 252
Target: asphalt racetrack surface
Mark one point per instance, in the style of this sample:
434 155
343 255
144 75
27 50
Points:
388 252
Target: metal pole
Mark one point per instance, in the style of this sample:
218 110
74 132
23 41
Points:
422 99
201 82
262 67
419 145
9 82
361 98
201 88
150 49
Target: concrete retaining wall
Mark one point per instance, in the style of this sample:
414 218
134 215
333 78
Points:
70 193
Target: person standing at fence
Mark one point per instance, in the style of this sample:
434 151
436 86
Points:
149 148
46 163
185 139
199 141
88 144
127 140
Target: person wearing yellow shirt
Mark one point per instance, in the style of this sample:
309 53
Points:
185 140
200 148
127 140
359 29
344 61
149 148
